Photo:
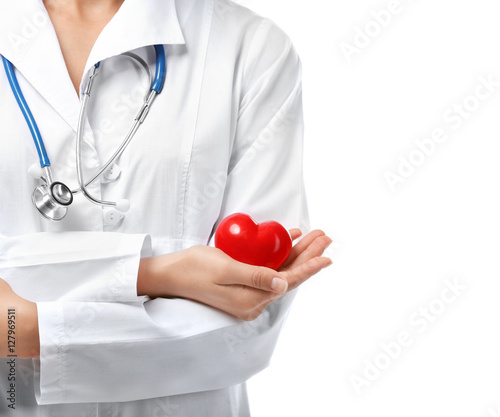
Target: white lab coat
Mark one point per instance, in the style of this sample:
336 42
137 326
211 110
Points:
224 136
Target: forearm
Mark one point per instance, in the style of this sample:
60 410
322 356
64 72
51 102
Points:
161 276
18 325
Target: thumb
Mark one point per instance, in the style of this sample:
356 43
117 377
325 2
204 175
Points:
257 277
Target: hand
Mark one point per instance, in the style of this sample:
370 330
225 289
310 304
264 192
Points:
305 259
27 343
208 275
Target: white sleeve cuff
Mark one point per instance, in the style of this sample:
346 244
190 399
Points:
74 266
49 383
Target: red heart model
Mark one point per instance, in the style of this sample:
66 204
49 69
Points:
266 244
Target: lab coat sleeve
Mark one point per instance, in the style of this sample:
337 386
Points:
107 352
265 177
75 266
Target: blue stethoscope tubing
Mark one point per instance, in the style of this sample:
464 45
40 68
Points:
161 69
51 198
25 109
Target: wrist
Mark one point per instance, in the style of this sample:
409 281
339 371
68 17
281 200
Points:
29 338
161 276
145 276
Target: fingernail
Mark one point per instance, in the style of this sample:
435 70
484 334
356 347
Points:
279 285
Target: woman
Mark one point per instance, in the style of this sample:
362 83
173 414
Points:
136 313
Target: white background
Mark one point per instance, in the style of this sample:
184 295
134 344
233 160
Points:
395 249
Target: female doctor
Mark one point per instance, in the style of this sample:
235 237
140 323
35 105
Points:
133 312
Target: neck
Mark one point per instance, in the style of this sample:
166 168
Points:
83 9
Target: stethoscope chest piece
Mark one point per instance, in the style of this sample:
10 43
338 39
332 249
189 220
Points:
52 200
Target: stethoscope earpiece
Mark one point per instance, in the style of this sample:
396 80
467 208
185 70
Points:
123 205
35 171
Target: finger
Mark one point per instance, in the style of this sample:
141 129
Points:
295 233
308 239
301 273
315 249
302 245
257 277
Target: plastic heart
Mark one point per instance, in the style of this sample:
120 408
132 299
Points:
264 244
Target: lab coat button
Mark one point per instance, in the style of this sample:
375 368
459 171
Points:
112 216
112 173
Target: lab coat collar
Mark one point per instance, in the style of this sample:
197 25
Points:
28 40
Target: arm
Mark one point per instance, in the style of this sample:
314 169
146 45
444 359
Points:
20 317
77 266
248 290
164 277
209 276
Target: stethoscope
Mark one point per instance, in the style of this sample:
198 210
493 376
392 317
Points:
52 198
